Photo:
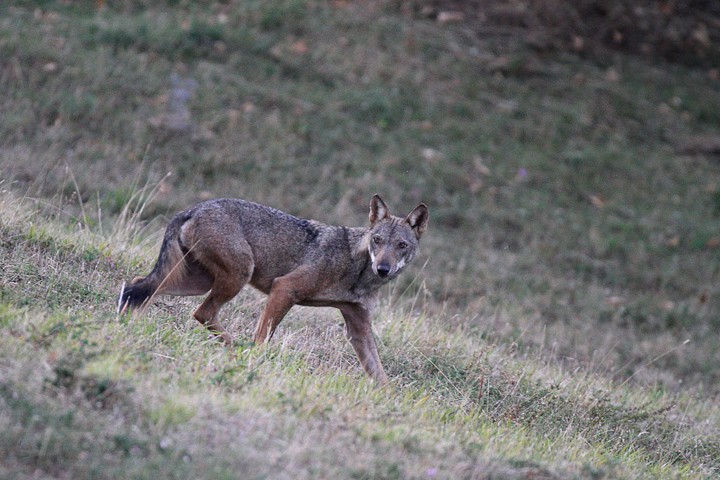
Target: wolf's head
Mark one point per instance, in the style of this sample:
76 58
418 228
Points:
393 241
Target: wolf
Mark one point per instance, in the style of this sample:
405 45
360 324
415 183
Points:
219 246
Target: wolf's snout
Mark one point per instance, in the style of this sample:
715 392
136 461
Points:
383 270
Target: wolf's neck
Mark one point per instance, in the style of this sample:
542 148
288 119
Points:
367 281
359 243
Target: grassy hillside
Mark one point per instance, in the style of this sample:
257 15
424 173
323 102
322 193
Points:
564 324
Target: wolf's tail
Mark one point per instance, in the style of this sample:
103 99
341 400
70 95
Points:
134 295
165 274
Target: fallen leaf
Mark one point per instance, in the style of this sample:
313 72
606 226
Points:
713 242
612 75
699 144
480 166
672 242
430 154
578 43
615 300
597 201
447 17
702 36
498 64
579 79
299 47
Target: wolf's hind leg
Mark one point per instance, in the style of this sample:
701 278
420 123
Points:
223 290
188 277
230 277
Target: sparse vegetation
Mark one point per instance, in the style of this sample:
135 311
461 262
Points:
564 326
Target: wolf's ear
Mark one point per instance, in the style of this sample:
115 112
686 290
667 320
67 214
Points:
418 219
378 210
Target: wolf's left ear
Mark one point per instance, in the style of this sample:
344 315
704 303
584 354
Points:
378 210
418 219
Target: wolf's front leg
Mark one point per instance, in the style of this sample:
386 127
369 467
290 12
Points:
277 307
285 292
359 332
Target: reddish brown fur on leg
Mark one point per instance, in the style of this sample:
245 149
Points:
275 310
223 290
359 332
207 315
285 292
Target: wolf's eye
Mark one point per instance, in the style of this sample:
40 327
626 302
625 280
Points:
402 245
377 239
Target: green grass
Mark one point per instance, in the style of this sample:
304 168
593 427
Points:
88 394
569 257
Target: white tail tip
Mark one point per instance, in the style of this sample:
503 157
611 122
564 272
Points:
120 308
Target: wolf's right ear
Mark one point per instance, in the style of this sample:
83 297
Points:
378 210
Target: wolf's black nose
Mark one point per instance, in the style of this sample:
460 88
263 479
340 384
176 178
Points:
383 269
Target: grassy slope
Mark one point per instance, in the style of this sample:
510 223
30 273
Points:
570 248
85 394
